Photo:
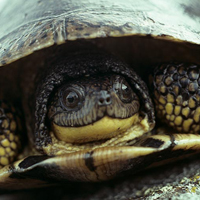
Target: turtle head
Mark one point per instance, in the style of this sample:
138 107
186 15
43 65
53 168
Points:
93 108
89 98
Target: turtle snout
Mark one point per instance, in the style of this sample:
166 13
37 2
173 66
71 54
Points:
104 98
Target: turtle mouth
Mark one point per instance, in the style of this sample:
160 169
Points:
130 131
104 128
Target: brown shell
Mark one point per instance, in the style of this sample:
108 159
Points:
27 26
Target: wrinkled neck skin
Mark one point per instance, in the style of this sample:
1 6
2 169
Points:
74 67
96 97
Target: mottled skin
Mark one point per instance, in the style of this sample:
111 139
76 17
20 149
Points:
74 103
177 96
10 133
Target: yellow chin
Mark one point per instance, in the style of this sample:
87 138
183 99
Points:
105 128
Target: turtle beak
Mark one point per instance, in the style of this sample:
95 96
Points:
104 98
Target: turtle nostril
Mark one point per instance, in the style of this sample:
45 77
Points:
101 100
104 98
104 101
108 100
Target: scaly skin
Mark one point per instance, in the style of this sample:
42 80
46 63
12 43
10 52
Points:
177 96
10 134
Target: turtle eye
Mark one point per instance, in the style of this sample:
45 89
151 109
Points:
123 89
71 99
126 92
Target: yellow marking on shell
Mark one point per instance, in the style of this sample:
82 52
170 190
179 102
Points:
192 103
181 70
176 89
163 89
186 124
12 154
178 120
11 137
186 112
194 74
179 100
193 86
4 161
168 80
105 128
5 143
8 150
197 110
5 124
171 124
167 117
162 100
198 98
2 151
172 117
185 103
13 145
177 110
2 137
196 117
169 108
170 98
13 125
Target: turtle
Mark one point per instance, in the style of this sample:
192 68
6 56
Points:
91 90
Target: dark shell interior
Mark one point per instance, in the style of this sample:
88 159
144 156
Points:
142 53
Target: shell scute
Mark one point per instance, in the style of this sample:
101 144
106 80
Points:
90 20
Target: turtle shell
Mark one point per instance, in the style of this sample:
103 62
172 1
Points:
40 24
140 32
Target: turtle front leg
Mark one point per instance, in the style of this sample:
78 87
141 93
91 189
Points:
177 103
10 139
